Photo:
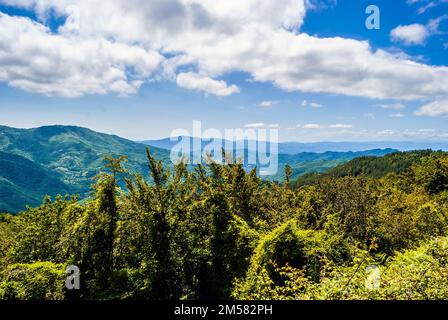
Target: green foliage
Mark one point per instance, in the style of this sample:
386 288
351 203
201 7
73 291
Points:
220 232
60 160
433 174
36 281
371 166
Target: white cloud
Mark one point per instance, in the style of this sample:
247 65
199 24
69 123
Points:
341 126
426 130
215 37
370 116
388 132
426 4
255 125
261 126
33 59
434 109
419 134
395 106
397 115
268 104
319 126
316 105
414 34
194 81
312 126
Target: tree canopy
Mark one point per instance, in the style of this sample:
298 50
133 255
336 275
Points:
220 232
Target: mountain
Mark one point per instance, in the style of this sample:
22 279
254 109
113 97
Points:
63 160
375 167
307 162
293 148
58 160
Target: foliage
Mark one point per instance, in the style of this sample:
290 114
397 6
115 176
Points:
371 166
35 281
60 160
220 232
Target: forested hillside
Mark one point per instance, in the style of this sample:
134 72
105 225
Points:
64 159
58 160
371 166
223 233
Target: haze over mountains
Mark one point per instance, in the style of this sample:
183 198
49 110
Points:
63 160
317 147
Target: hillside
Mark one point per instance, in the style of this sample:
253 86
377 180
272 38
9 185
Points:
23 182
66 157
375 167
224 234
304 163
301 162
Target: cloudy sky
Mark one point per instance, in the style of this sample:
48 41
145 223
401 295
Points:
141 69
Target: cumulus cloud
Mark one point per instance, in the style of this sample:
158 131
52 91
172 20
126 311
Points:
33 59
417 34
194 81
160 38
411 34
434 109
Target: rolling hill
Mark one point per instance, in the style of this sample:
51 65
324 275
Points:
23 182
58 160
375 167
63 160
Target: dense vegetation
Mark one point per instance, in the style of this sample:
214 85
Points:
63 159
219 232
371 166
58 159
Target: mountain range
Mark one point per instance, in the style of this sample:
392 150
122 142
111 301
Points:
293 148
54 160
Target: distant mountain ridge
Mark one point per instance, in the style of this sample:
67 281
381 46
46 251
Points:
54 160
320 147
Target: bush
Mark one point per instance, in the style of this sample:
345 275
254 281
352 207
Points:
36 281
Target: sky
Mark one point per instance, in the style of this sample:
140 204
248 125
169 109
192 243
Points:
311 68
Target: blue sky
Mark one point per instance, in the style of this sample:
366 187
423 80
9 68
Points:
308 68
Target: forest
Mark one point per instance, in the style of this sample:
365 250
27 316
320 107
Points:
374 228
